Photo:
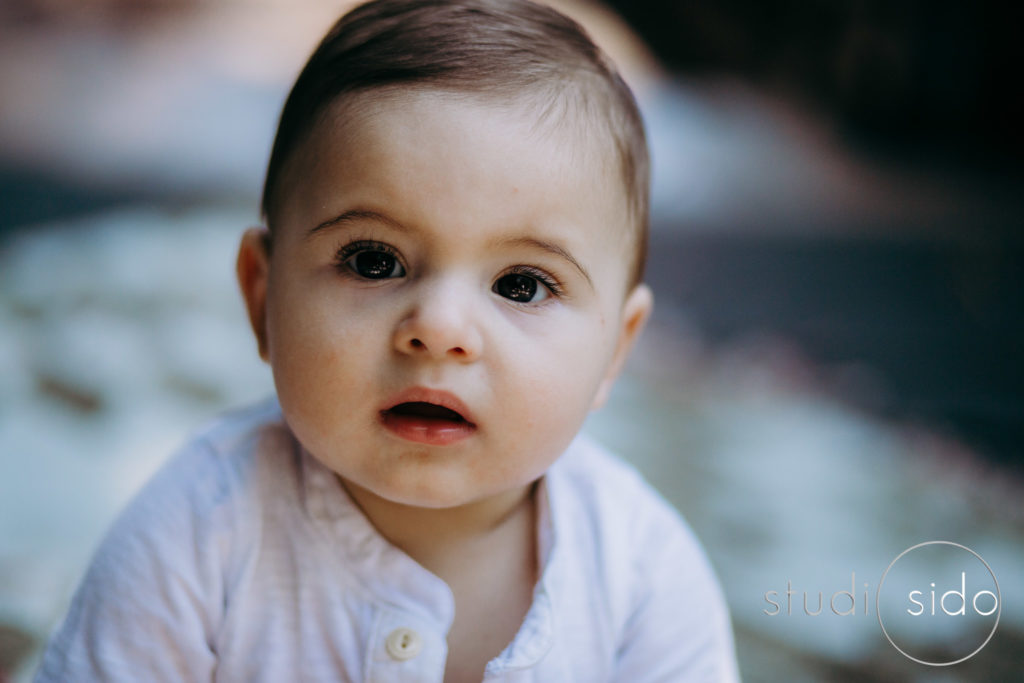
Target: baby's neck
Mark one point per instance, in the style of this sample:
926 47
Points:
487 554
443 539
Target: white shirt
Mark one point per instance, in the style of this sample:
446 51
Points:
245 560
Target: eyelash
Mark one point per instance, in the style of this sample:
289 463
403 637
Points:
553 285
347 251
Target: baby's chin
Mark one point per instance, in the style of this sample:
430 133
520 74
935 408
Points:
425 494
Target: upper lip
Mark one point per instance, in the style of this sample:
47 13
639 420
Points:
439 397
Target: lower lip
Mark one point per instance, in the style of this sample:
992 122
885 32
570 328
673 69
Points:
425 430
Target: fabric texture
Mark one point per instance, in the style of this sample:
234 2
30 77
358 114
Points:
243 559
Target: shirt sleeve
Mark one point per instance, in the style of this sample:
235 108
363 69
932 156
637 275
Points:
148 607
678 629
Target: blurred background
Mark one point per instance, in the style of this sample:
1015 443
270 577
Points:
834 373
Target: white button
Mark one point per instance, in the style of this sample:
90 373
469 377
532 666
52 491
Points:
403 644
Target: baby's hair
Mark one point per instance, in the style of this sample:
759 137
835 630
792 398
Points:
503 50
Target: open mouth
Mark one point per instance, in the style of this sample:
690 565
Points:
426 411
427 423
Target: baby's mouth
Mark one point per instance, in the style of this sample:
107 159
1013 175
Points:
426 411
418 410
429 411
426 423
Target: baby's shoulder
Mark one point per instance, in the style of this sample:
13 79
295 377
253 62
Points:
207 491
610 515
171 557
646 575
613 492
235 437
226 459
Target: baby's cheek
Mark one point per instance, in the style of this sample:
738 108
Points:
558 399
305 372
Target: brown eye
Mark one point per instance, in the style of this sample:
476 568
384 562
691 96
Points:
521 288
374 264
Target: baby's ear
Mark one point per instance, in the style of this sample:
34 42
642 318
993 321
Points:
635 312
253 269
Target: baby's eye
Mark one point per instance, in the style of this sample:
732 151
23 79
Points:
372 261
522 288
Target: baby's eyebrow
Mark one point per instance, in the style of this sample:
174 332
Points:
551 247
355 215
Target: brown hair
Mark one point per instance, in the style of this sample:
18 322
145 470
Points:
496 48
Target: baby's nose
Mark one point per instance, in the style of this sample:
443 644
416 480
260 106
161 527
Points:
440 326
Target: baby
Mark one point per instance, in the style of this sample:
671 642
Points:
449 281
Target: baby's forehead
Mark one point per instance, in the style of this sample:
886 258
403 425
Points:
351 126
554 118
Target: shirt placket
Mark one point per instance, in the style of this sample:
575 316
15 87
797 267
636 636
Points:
405 648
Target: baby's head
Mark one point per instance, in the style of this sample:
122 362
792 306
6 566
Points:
450 278
516 55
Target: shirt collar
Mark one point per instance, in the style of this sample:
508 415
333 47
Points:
386 573
536 635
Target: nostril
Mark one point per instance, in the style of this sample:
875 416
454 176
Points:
417 344
459 351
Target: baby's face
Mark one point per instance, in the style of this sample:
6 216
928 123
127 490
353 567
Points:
446 297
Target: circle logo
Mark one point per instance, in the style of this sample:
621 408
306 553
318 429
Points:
938 603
